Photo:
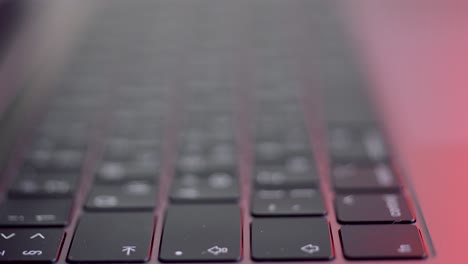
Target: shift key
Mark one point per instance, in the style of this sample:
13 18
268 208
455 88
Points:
113 237
201 233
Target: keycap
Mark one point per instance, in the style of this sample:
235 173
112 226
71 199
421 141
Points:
269 152
274 177
354 177
287 202
30 245
356 143
117 172
113 237
192 163
213 233
55 160
134 195
43 185
124 149
394 242
38 212
222 186
290 239
373 208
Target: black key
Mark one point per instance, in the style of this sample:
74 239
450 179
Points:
213 233
278 177
287 202
214 187
394 242
136 195
113 237
222 156
373 208
352 177
43 185
30 245
117 172
55 160
269 153
356 143
123 149
39 212
291 239
192 163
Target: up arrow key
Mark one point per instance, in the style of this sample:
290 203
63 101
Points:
7 237
37 235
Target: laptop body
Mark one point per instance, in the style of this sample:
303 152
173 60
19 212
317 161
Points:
152 121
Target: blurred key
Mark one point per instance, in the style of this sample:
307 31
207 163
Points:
275 177
356 143
373 208
220 186
294 202
355 177
134 195
43 186
39 212
117 172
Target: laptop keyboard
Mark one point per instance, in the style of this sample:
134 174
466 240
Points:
178 142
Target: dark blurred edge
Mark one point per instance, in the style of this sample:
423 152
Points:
11 17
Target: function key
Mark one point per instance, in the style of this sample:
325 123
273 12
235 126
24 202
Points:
39 212
373 208
113 237
292 202
394 242
291 239
30 245
354 177
213 233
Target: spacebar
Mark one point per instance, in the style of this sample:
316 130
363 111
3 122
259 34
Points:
201 233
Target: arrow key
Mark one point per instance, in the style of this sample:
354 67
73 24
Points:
35 245
290 239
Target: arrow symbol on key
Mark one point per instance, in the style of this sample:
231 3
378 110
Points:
7 237
37 235
128 249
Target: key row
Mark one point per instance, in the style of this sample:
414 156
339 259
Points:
141 196
214 233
